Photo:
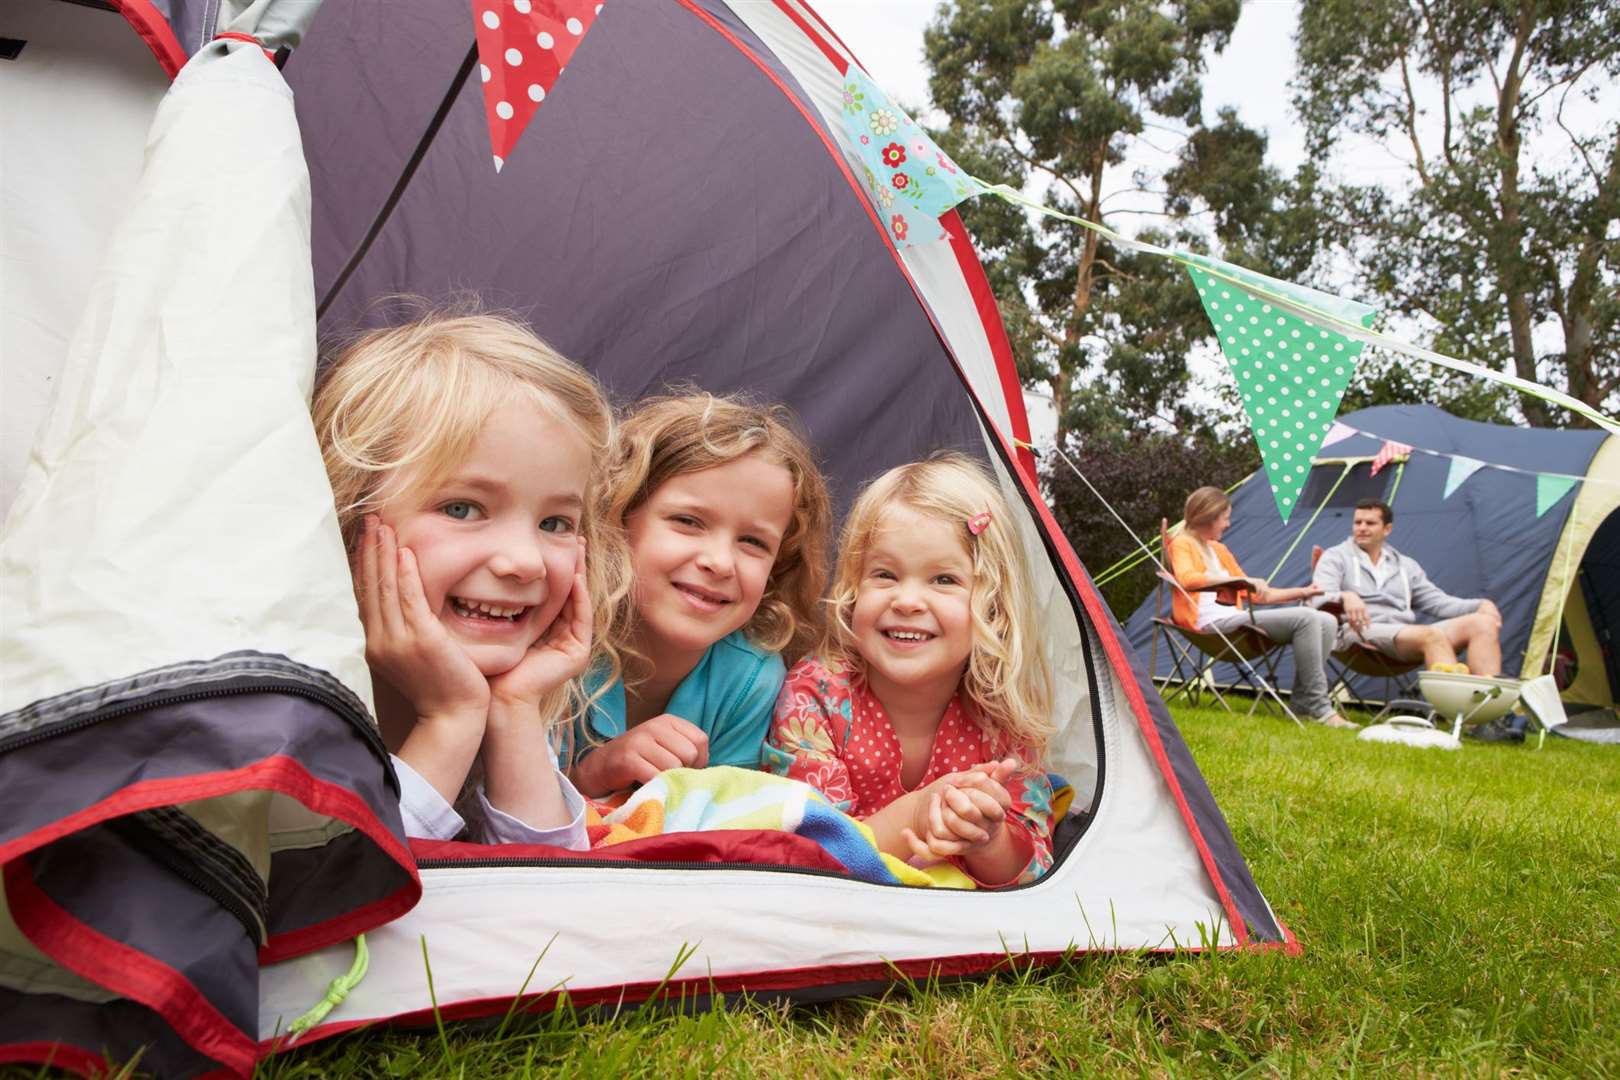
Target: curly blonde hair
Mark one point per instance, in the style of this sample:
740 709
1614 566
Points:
400 407
1007 678
669 436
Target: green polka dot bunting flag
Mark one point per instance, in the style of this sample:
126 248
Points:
1292 374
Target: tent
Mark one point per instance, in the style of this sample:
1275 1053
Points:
1489 510
179 639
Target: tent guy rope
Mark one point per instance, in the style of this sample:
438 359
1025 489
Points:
1254 672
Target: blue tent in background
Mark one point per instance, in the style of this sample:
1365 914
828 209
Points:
1485 539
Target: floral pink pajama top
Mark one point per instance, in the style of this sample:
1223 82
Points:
831 732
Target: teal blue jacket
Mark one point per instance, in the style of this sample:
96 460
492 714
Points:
730 694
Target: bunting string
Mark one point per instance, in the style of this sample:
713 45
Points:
1266 289
1574 479
912 180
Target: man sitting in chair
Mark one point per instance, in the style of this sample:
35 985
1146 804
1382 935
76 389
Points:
1382 592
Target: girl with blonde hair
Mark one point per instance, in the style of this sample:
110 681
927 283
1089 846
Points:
926 711
1200 561
727 521
465 459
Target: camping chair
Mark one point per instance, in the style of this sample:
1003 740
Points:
1194 653
1361 658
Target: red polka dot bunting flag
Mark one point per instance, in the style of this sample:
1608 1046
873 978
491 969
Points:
523 45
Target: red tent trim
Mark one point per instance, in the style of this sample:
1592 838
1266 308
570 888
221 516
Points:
155 31
126 971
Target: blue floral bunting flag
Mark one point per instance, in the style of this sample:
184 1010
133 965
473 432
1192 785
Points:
1291 374
1549 489
911 179
1461 469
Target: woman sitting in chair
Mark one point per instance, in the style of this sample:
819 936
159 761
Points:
1212 594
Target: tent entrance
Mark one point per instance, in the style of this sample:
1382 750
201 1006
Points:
1593 620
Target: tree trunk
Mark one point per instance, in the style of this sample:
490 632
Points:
1508 245
1083 283
1579 350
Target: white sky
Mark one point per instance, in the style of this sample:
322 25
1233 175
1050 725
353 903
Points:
1252 74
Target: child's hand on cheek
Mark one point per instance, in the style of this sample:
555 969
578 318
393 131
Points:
405 643
663 742
561 653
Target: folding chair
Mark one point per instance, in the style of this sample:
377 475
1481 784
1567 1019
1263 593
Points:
1194 653
1361 658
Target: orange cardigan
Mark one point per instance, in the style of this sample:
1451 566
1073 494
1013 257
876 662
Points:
1187 564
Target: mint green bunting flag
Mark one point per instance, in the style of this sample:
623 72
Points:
911 179
1292 375
1461 469
1549 489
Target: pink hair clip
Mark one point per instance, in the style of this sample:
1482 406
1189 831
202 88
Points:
978 523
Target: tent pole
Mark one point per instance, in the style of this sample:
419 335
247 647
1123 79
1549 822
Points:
1400 471
1318 513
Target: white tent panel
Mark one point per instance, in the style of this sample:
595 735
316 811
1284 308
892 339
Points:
170 442
74 109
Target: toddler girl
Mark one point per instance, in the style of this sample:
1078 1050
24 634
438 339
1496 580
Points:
926 712
462 452
727 521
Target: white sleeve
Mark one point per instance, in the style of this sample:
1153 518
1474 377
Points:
426 813
496 826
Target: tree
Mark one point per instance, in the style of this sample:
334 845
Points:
1058 88
1511 258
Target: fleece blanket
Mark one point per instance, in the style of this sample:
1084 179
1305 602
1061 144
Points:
726 797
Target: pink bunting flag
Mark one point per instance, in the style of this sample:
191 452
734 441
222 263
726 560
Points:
1388 453
523 45
1337 433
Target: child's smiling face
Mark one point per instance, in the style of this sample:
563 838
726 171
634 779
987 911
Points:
912 620
701 548
497 539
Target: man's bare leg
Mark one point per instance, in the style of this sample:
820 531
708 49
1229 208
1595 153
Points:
1427 642
1475 635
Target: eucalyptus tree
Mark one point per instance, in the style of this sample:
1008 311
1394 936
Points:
1061 92
1504 238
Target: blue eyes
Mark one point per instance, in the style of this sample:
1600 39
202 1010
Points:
462 510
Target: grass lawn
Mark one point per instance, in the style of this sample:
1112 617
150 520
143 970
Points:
1459 912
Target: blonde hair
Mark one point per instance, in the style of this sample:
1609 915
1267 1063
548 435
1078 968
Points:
1204 506
1007 677
670 436
399 408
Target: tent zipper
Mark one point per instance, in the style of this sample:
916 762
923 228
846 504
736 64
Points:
133 830
521 861
332 702
496 862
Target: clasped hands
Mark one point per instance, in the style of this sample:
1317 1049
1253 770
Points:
960 813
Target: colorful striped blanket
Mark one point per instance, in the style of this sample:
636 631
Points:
726 797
